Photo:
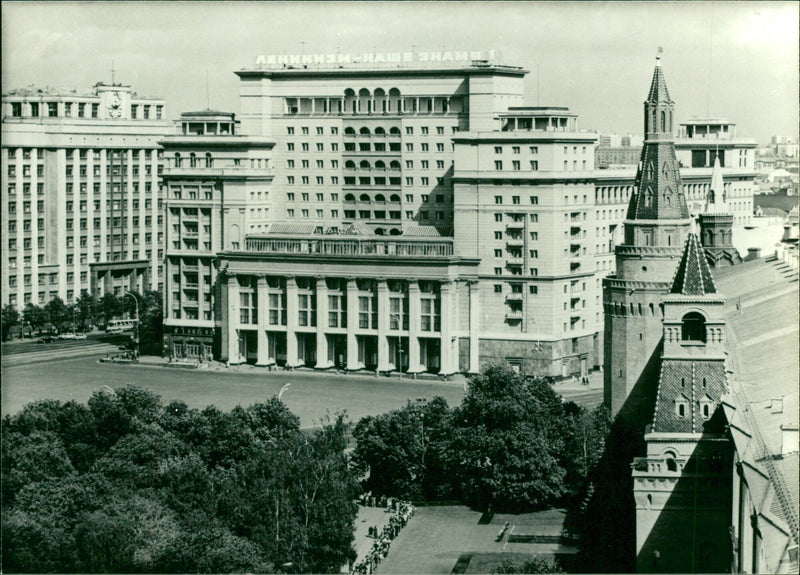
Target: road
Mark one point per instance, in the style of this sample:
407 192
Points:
57 371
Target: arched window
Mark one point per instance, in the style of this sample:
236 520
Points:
381 103
706 411
395 232
671 464
350 102
663 121
363 198
178 160
349 198
350 165
364 101
380 198
364 131
209 161
379 131
394 101
682 410
349 131
394 165
364 165
694 327
193 160
379 231
379 165
709 238
394 198
394 131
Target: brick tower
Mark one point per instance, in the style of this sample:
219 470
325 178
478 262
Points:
716 224
656 227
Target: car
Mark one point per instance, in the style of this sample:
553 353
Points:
80 336
46 339
67 336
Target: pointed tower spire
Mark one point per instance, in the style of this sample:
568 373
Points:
659 192
715 202
693 276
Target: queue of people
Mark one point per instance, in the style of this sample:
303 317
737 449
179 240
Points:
401 512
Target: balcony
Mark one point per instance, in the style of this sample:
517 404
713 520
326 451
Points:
514 314
349 247
514 296
515 240
515 225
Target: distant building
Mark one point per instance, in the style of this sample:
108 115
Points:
81 194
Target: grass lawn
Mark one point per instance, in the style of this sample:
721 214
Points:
437 537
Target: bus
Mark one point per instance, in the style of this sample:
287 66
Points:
116 326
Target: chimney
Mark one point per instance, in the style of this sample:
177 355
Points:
752 254
790 438
787 233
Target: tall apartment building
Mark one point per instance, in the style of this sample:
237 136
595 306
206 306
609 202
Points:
524 205
81 196
216 181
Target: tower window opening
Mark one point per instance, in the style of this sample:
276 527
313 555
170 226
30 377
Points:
693 327
705 411
671 464
681 410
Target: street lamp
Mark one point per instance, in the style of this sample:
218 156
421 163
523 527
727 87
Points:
135 299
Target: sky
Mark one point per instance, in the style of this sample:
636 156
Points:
737 60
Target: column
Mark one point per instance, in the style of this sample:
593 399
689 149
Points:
233 320
383 325
323 361
262 300
291 321
352 324
413 327
446 327
474 326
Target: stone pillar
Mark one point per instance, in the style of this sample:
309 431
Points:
413 327
383 325
108 282
474 326
323 361
233 320
262 299
447 329
352 325
291 321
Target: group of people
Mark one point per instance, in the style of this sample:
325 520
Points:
401 512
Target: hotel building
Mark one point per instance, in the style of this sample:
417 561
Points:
81 206
409 217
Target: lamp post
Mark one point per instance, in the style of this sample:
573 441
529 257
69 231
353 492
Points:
136 337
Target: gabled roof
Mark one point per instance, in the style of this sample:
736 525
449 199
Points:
693 276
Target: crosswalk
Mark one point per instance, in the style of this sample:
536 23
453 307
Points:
56 352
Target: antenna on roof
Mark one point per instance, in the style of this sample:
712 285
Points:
658 56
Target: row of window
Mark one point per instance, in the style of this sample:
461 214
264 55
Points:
516 165
518 149
363 181
50 110
26 170
111 170
365 131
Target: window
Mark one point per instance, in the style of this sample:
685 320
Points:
498 235
277 309
498 164
534 254
498 149
535 200
498 271
424 164
430 314
440 147
96 109
498 253
290 130
306 310
693 327
533 290
498 199
424 130
367 312
498 217
515 200
409 130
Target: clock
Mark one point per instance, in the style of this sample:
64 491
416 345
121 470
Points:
115 106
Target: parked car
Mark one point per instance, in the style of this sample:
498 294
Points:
46 339
67 336
80 336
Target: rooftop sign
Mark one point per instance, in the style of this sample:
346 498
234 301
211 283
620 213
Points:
374 59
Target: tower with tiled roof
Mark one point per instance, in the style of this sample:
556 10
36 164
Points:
716 224
656 226
682 500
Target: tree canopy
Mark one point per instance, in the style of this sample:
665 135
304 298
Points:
127 484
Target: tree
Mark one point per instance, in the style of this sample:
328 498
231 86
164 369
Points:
85 310
401 452
10 318
35 316
507 438
585 443
108 308
58 313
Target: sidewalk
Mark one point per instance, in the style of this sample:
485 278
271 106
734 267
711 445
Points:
244 368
